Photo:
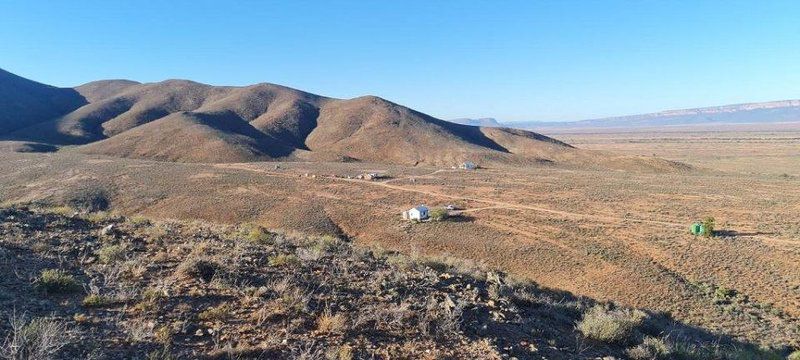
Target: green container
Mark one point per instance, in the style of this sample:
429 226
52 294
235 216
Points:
696 229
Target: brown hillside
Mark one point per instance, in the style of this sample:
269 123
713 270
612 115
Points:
181 120
193 137
24 102
103 89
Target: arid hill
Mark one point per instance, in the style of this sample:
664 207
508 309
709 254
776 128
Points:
24 102
186 121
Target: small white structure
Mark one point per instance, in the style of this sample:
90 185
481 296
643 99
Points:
416 213
371 176
468 165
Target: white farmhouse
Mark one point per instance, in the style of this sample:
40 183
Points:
468 165
416 213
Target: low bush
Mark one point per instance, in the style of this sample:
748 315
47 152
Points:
199 268
41 338
57 281
650 348
220 312
88 198
610 326
329 323
708 227
283 260
723 295
256 234
439 214
110 253
95 300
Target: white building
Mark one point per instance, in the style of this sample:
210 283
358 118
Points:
468 165
416 213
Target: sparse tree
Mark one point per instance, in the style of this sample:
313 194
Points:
439 214
708 227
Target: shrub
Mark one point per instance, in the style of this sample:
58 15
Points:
88 198
294 300
215 313
650 348
57 281
41 338
80 318
110 253
257 234
152 294
345 352
439 214
329 323
61 210
723 295
140 220
98 216
199 268
794 356
283 260
708 227
610 326
95 300
326 243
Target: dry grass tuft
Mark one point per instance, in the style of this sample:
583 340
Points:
217 313
650 348
610 326
284 260
329 323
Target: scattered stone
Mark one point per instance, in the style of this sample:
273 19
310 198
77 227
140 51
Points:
108 230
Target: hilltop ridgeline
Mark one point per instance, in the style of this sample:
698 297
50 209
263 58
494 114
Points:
186 121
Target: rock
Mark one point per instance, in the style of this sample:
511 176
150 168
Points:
448 302
108 230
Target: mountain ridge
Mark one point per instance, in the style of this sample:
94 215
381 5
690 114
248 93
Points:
186 121
769 112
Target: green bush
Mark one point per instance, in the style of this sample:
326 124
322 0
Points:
610 326
257 234
57 281
794 356
95 300
439 214
723 294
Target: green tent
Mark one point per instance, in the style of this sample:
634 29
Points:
696 228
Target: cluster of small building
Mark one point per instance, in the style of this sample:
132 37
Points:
371 176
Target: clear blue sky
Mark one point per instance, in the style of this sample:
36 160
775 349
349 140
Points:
513 60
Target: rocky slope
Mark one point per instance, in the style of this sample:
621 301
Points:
92 285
